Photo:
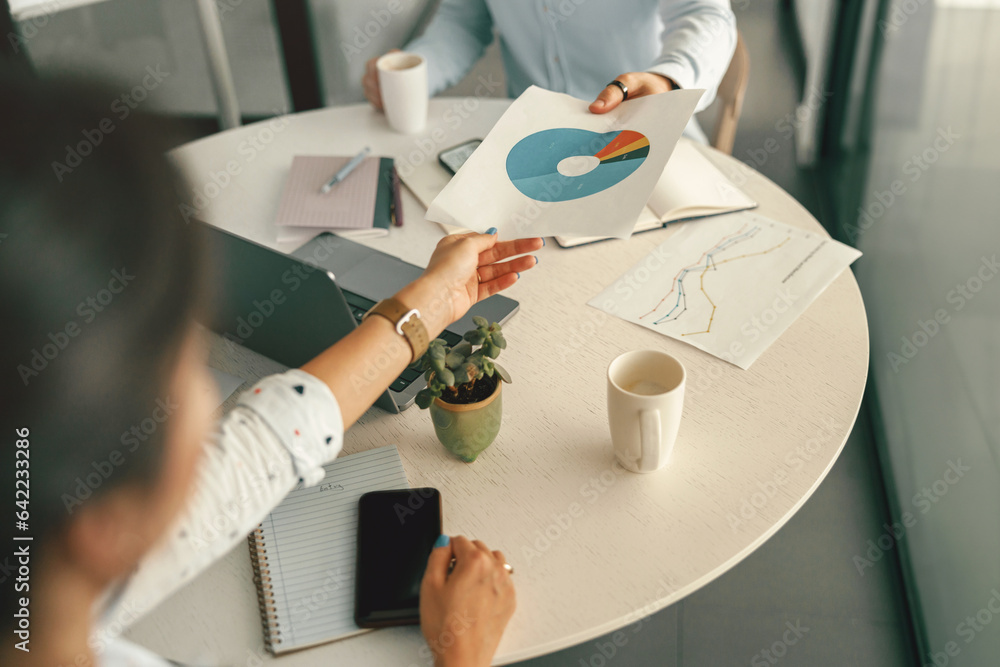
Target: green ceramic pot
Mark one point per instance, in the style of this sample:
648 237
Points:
466 430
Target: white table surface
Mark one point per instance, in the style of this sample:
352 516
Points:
595 548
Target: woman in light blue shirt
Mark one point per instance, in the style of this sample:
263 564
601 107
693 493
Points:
580 46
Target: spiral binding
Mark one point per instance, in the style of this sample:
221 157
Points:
265 588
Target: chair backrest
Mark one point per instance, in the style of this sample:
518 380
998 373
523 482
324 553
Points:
12 50
730 95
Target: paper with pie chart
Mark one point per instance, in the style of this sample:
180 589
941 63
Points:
729 285
533 164
551 167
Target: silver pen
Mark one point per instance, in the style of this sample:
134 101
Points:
346 170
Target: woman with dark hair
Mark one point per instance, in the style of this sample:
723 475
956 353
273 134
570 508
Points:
100 281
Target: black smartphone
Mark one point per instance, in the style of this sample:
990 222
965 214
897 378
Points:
453 158
396 533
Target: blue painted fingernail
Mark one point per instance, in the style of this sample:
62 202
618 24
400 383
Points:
491 230
519 276
543 242
536 258
442 541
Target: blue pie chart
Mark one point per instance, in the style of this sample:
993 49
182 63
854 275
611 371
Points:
532 164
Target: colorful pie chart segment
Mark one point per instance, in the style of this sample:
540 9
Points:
533 162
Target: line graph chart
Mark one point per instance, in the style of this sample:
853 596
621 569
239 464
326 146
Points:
706 263
729 285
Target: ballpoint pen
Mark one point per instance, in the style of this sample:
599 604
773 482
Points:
345 170
397 202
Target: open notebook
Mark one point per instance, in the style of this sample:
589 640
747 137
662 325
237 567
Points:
690 187
303 554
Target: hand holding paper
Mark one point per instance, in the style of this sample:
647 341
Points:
550 167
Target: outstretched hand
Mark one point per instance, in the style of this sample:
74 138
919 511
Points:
639 84
466 268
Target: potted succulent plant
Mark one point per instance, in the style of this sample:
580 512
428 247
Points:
463 389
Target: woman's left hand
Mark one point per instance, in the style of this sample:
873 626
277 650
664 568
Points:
464 269
639 84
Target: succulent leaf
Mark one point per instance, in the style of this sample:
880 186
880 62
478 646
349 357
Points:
424 399
447 377
454 359
480 321
502 372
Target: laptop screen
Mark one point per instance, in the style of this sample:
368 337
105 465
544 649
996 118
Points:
274 304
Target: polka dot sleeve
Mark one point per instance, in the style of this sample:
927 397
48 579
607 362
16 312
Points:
310 428
281 433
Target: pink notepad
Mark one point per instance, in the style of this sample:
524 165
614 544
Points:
349 205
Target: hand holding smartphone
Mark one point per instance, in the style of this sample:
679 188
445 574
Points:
463 589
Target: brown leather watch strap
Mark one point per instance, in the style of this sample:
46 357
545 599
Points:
407 322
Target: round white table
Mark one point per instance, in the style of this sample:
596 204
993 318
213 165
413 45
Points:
595 548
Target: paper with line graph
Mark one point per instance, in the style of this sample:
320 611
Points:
728 285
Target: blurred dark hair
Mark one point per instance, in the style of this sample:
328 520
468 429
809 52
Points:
99 280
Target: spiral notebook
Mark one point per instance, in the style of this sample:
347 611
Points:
303 554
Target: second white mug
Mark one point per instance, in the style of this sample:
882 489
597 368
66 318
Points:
645 402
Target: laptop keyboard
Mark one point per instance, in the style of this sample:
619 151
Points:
359 306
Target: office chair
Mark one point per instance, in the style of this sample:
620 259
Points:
298 52
730 95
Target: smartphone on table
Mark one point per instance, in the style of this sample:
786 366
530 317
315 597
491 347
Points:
396 533
453 158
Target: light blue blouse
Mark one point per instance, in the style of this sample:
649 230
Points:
578 46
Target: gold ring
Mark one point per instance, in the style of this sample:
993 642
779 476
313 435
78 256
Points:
509 568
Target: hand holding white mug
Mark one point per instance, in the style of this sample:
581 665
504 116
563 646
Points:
396 83
369 82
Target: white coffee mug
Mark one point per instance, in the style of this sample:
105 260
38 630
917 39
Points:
645 402
402 80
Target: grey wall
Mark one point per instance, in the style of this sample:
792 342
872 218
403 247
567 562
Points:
119 39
